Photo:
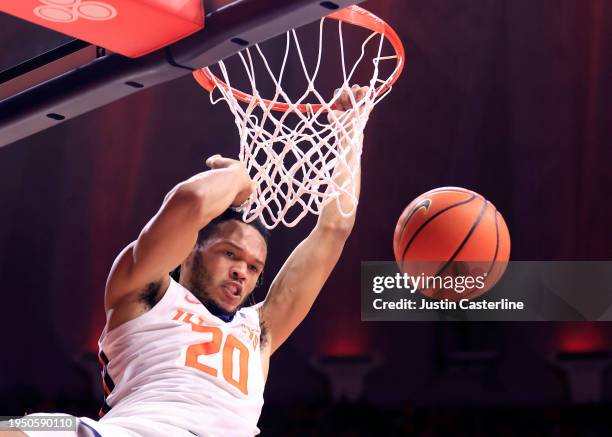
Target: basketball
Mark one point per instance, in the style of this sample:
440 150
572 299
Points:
452 233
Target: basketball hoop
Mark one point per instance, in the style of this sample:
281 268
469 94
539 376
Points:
292 148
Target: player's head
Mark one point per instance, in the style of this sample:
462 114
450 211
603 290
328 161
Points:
226 263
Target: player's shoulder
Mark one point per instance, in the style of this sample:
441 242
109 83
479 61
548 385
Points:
138 303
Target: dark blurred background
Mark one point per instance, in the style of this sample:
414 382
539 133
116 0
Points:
510 98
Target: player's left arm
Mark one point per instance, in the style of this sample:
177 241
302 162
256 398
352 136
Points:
301 278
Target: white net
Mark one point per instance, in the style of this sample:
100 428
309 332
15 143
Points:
294 150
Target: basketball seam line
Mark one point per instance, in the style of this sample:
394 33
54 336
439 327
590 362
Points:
496 243
463 202
467 237
467 296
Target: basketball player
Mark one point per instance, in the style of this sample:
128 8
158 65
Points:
186 357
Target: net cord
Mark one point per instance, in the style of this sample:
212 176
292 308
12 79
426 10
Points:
287 176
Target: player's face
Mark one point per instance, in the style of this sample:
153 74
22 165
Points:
226 267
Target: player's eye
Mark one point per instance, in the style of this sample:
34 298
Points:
253 268
229 254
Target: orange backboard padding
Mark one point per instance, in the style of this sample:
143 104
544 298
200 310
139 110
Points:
130 27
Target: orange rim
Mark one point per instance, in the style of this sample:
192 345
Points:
352 15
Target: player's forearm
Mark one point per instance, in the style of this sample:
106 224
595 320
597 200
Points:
170 235
213 191
299 282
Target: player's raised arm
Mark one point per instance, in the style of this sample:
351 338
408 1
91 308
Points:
301 278
170 235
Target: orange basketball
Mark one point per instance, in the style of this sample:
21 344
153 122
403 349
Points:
449 232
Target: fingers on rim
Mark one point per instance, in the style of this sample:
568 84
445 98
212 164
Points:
346 100
360 94
342 96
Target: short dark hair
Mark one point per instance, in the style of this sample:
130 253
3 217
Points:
231 214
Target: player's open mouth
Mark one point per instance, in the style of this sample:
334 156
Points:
233 290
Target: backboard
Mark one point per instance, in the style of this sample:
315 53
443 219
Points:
56 78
